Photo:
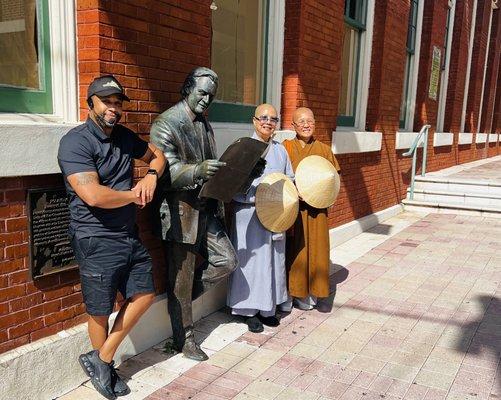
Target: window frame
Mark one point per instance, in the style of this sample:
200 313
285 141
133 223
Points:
21 100
410 58
65 108
408 126
222 111
444 73
359 24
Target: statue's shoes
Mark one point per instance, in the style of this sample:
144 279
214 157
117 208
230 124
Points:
193 351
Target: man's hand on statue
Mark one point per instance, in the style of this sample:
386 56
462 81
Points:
208 168
145 189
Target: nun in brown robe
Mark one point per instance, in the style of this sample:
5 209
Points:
307 256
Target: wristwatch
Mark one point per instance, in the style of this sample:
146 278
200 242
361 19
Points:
152 171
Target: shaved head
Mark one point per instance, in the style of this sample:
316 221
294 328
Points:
265 109
265 121
303 122
300 112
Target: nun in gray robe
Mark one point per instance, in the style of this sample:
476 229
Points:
259 283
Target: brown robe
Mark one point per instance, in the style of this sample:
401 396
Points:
308 249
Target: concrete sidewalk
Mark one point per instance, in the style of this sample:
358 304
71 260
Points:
417 315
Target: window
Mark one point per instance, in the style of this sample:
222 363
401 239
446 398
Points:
239 56
444 66
355 13
410 47
25 64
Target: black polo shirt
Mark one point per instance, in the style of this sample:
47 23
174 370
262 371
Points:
87 148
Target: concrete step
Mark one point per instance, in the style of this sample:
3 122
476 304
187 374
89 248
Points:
414 205
466 186
461 198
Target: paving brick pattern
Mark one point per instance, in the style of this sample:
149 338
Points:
416 317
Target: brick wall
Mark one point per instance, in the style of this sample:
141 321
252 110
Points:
496 118
457 66
30 310
312 48
477 65
491 75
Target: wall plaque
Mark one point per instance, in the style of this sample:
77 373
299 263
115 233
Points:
49 217
435 73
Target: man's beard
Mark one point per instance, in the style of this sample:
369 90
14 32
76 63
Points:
103 123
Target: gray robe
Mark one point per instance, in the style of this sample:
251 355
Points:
259 282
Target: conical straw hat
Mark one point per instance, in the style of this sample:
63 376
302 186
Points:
277 202
317 181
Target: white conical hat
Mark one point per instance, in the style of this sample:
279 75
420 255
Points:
277 202
317 181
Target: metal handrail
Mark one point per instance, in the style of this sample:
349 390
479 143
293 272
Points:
423 134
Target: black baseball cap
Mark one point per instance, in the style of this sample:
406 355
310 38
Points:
106 85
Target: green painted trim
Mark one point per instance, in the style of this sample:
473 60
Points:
355 24
34 101
231 112
406 90
345 120
360 13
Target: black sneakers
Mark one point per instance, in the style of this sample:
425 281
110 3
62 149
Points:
254 324
99 372
269 321
119 386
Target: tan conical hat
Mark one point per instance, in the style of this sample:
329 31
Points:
277 202
317 181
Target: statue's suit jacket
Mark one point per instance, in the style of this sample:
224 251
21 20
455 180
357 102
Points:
176 202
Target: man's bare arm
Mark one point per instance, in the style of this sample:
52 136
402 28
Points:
87 187
155 158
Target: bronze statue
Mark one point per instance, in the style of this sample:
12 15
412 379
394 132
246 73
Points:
187 224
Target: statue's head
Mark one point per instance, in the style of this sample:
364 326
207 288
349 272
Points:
199 89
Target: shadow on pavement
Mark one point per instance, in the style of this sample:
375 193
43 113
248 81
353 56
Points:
485 345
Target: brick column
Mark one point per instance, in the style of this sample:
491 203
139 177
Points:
149 49
491 76
387 76
496 118
434 21
458 64
387 67
484 8
312 54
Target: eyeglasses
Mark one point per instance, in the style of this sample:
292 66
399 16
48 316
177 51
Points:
303 122
265 118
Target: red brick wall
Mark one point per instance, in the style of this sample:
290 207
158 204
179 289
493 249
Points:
491 75
496 119
477 65
313 37
149 46
30 310
457 66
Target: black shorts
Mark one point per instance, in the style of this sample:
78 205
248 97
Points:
108 264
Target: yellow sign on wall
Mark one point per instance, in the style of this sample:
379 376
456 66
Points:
435 73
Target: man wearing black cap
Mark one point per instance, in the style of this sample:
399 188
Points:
96 161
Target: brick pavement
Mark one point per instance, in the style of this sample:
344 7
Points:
418 316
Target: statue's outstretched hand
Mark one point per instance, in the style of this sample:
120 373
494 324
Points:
208 168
